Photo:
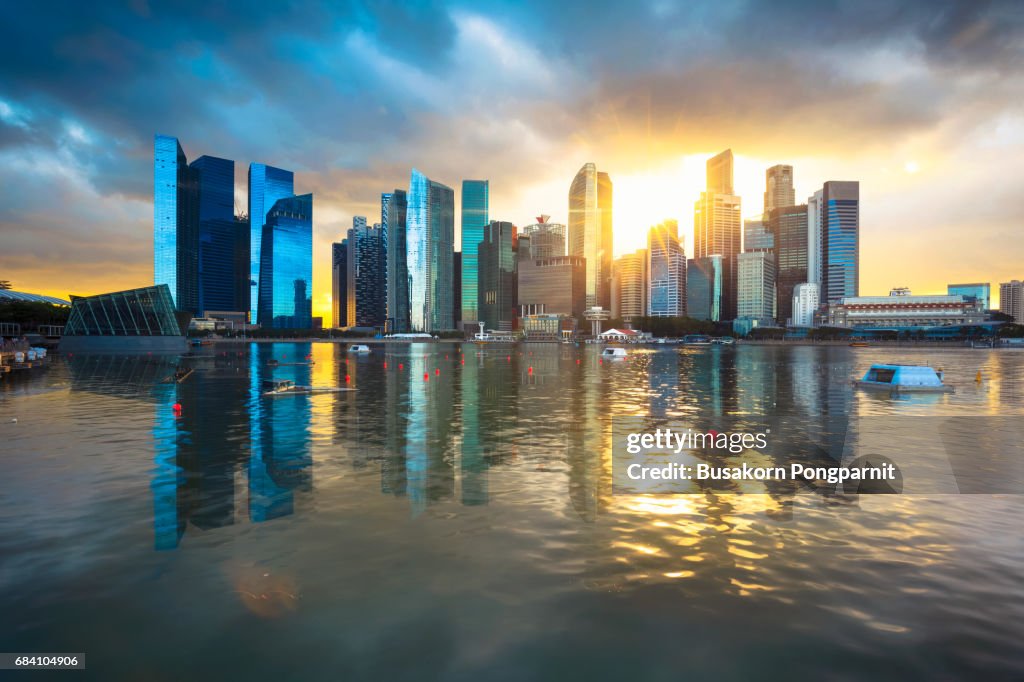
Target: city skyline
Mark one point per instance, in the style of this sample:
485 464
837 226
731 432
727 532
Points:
918 105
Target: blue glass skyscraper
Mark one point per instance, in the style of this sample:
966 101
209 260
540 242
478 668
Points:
475 207
218 233
430 235
267 185
175 223
397 267
840 240
286 265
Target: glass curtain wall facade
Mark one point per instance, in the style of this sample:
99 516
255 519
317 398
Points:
339 284
788 225
840 240
148 311
475 217
590 230
397 267
267 185
717 225
546 240
430 238
704 281
497 277
175 223
979 291
667 271
286 272
218 233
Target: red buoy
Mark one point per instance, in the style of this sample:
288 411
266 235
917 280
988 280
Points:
401 366
531 370
347 378
437 371
426 376
385 364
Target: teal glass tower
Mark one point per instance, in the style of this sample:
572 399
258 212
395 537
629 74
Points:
267 185
430 237
475 207
286 268
175 223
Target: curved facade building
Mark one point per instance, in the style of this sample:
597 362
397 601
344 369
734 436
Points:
430 242
590 231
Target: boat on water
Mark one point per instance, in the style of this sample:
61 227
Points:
903 379
723 341
696 340
202 342
276 387
613 353
860 344
358 348
179 375
272 362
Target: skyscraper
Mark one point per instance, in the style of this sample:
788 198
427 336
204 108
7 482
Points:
175 223
590 230
366 254
704 284
716 226
550 286
339 284
755 295
218 233
266 186
242 251
779 190
630 286
666 267
1011 300
840 242
286 266
756 236
497 276
475 207
814 214
397 268
430 236
788 225
546 239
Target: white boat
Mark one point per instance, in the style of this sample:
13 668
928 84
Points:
358 348
613 353
276 387
903 379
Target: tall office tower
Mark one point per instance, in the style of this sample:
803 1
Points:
979 291
496 278
218 234
457 289
397 269
267 185
756 236
430 238
630 286
779 192
286 265
351 267
175 223
666 267
385 198
242 250
1011 300
805 304
475 207
788 225
840 240
590 230
755 276
339 284
814 214
546 239
716 226
365 270
704 287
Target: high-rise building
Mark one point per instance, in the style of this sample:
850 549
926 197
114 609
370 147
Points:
175 223
339 284
704 284
979 291
242 275
267 185
497 276
814 216
805 304
550 286
840 240
756 236
666 268
457 288
475 212
286 267
590 230
788 225
546 239
366 254
630 286
218 233
1011 300
716 226
779 190
755 277
430 238
397 268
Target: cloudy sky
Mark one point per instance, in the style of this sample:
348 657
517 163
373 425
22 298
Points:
922 102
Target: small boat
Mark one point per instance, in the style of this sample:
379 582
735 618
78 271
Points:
860 344
724 341
696 340
903 379
179 375
613 353
358 348
272 362
276 387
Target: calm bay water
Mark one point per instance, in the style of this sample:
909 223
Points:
463 526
